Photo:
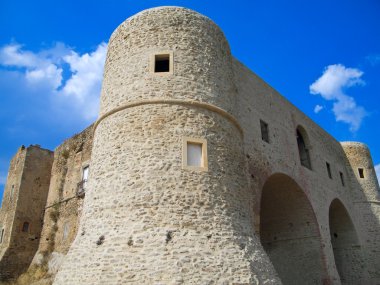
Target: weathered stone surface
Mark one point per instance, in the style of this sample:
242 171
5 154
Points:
256 212
22 209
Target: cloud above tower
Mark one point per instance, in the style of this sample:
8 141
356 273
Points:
332 85
70 80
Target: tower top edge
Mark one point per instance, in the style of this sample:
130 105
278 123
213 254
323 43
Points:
155 11
354 144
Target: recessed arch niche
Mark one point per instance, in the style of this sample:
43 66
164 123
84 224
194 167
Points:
345 244
289 232
303 144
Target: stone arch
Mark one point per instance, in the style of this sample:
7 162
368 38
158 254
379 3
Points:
304 147
345 244
289 232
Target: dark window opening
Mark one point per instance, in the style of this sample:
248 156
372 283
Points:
303 151
264 131
162 63
1 236
341 178
361 172
328 170
25 227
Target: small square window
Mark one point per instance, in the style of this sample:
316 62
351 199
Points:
162 63
361 172
341 178
194 154
328 170
264 131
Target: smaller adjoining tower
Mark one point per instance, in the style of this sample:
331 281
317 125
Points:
363 170
23 208
366 196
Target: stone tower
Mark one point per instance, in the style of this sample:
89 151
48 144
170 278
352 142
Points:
168 199
363 171
22 209
366 195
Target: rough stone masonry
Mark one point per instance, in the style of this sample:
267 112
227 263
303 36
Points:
199 173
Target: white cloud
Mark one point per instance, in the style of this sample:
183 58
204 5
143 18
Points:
85 82
317 108
49 75
12 55
44 71
332 85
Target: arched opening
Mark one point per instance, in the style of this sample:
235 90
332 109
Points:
289 232
303 147
345 243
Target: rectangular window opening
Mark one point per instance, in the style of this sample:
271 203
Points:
1 236
12 191
328 170
361 172
194 154
85 174
162 63
25 227
341 178
264 131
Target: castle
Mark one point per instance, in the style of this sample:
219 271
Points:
195 172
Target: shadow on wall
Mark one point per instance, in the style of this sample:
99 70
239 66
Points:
289 232
345 244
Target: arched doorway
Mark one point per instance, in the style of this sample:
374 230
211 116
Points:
345 243
289 232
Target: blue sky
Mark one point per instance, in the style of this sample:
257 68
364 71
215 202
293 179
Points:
324 56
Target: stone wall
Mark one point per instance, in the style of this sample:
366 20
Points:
28 179
11 191
254 213
150 220
64 205
266 161
137 157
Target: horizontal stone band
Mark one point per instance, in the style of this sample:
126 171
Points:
190 103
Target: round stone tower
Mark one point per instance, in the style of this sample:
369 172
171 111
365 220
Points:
366 198
167 199
363 171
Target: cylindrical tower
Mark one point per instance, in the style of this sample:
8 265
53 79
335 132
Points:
366 198
168 201
363 172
